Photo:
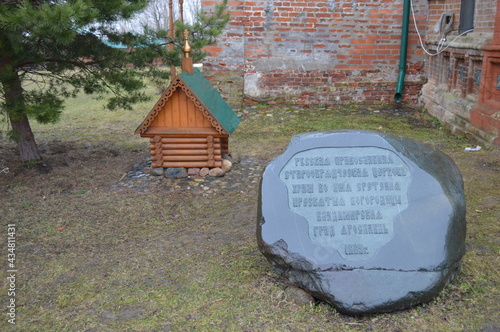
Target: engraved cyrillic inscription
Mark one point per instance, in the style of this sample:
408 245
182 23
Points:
349 196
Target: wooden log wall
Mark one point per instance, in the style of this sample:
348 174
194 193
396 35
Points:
188 151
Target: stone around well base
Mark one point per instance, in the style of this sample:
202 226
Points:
365 221
193 171
216 172
226 165
157 171
176 173
204 171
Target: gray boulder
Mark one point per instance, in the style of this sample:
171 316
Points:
365 221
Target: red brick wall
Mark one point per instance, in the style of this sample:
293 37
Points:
315 52
343 51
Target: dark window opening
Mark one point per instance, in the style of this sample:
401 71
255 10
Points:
466 16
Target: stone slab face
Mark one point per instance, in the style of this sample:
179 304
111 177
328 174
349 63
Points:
366 221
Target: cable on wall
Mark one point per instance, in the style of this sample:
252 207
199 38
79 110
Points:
442 40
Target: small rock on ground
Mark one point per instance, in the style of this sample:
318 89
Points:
193 171
157 171
300 296
176 173
216 172
226 165
204 171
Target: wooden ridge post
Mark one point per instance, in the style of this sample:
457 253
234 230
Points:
171 34
187 62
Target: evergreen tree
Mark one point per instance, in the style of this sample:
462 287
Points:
51 50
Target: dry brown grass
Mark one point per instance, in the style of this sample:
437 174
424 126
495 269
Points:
169 255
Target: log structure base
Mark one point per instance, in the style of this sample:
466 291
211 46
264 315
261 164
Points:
188 151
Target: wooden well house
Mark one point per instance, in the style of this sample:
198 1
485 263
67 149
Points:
190 124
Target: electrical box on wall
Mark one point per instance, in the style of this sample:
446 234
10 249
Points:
446 23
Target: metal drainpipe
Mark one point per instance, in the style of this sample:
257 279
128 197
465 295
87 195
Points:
398 96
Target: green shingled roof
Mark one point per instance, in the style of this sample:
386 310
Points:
211 99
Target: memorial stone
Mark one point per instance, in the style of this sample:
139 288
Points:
365 221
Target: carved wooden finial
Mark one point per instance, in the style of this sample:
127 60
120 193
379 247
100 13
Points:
187 47
187 62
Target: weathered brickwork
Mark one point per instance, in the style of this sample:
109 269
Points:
316 52
329 52
461 89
